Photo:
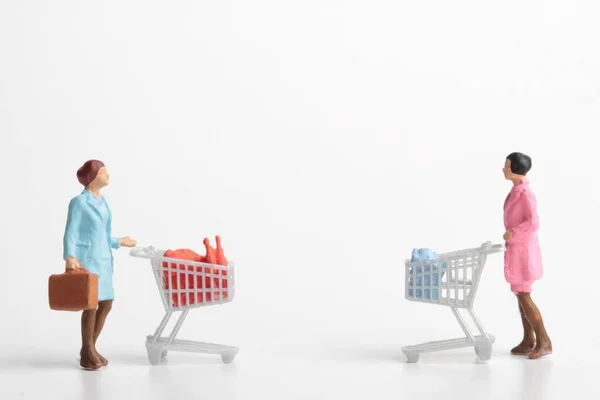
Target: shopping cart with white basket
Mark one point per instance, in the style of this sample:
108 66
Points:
184 285
450 279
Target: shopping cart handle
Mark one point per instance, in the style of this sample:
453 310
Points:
489 246
144 252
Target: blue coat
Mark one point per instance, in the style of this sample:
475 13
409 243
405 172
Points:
88 239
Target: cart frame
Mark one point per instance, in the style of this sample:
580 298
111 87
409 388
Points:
454 277
158 346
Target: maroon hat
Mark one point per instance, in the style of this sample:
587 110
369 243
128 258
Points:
88 171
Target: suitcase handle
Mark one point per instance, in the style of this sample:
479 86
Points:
76 271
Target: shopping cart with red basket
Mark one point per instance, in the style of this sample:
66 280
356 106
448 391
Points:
184 285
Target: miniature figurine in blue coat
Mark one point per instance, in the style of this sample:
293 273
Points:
88 243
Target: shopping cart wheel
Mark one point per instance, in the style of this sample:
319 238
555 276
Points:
227 358
412 357
484 351
156 356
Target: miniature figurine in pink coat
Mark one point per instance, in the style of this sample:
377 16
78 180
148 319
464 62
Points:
523 258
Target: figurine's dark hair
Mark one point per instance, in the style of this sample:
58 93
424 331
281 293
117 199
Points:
88 171
520 163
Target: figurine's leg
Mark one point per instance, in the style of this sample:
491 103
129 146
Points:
89 360
543 344
104 308
528 342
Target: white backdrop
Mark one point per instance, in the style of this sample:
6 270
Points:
322 140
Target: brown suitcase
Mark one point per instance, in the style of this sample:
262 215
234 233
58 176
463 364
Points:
73 290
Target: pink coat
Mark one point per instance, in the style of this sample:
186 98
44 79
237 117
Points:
523 258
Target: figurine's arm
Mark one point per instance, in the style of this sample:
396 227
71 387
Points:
115 242
72 229
531 222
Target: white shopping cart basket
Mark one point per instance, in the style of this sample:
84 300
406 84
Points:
451 280
184 285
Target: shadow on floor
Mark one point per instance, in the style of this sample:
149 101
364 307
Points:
30 362
45 361
395 355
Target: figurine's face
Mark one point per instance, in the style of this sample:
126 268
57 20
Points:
102 177
506 170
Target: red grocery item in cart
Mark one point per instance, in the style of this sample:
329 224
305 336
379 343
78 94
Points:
221 260
178 273
211 253
178 276
216 256
184 254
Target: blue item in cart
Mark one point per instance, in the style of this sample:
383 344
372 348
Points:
422 282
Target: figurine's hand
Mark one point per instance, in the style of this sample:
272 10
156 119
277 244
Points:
127 242
507 235
72 264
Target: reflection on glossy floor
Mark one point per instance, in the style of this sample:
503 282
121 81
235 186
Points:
333 373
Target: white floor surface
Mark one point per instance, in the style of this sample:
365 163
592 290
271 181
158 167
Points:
345 373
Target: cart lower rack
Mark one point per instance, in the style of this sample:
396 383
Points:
184 285
450 279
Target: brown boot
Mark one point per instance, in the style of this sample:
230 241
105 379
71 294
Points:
543 344
528 342
89 360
